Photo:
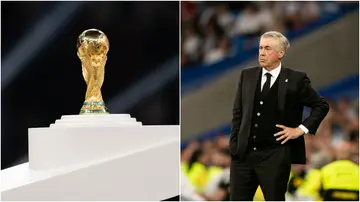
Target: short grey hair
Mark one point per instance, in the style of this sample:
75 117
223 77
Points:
284 42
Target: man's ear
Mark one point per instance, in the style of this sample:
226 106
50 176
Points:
281 54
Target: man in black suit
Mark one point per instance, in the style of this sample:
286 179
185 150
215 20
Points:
267 127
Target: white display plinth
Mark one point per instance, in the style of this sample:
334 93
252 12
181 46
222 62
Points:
103 157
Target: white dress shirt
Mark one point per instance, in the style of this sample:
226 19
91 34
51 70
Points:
274 75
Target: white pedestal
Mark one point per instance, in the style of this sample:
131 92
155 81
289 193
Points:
88 158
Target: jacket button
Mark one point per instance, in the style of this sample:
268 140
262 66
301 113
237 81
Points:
256 125
258 114
261 102
254 148
254 136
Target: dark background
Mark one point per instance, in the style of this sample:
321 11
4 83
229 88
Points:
142 35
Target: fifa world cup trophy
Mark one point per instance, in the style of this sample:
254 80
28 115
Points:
92 47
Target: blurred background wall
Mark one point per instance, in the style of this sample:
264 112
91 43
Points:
219 39
41 77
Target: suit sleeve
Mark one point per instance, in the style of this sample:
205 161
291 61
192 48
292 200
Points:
319 107
237 110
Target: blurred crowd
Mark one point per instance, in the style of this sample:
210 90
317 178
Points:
212 31
206 164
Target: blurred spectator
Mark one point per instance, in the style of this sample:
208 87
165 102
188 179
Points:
338 180
249 23
224 17
191 44
188 152
310 11
188 191
217 189
222 142
270 20
217 53
212 31
292 15
297 176
309 188
188 11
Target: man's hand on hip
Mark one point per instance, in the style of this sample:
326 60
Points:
288 133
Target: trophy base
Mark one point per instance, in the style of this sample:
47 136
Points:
90 112
85 158
98 120
90 108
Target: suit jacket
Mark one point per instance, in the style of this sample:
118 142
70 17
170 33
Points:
294 92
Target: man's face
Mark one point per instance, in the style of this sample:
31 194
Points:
269 52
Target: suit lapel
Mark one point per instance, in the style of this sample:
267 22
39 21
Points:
283 83
252 82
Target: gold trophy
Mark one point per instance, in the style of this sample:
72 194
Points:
92 47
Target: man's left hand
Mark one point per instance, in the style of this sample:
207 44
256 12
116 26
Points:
288 133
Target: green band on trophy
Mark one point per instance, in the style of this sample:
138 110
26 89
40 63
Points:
94 103
85 111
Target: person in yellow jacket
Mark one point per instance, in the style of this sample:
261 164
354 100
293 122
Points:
197 170
200 172
309 189
340 179
296 179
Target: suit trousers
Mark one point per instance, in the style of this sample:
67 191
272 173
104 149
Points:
269 168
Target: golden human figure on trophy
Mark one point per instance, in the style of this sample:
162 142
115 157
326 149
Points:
92 46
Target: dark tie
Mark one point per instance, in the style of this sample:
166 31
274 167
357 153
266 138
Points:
266 86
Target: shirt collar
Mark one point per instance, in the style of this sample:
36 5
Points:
274 73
